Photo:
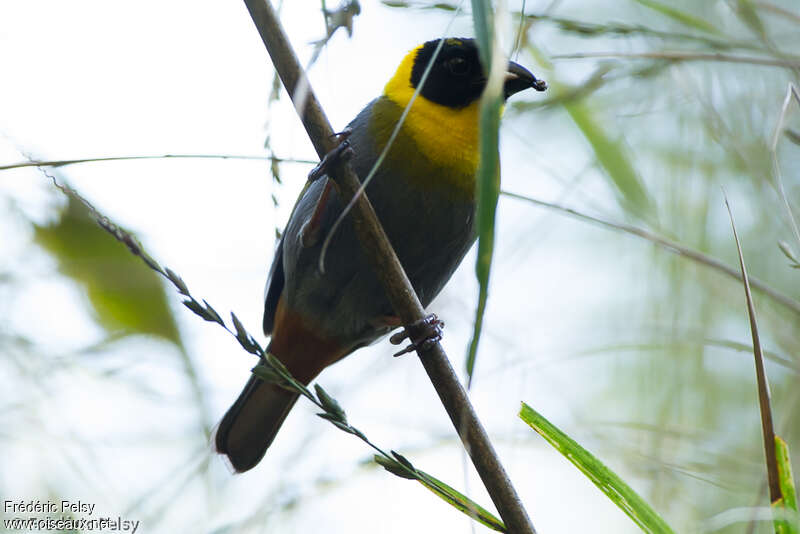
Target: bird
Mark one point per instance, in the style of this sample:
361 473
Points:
424 196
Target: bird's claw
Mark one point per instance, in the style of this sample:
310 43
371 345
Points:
342 152
427 331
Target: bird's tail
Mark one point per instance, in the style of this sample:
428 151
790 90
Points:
250 425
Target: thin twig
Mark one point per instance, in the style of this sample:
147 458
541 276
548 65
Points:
667 244
791 63
63 162
384 262
791 91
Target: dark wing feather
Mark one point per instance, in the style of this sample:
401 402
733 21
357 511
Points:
274 289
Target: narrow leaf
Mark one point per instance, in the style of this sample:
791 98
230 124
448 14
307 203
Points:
792 135
461 501
177 281
748 14
341 425
268 374
271 361
687 19
604 478
402 468
403 460
276 363
483 22
330 404
786 518
488 176
213 313
767 427
198 309
613 157
241 333
247 341
789 253
785 476
394 467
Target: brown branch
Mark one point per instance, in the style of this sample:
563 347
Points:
380 254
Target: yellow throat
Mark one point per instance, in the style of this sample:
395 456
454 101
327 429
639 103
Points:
447 137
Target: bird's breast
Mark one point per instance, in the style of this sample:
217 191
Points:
436 147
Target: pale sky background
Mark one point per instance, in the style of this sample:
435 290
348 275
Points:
107 78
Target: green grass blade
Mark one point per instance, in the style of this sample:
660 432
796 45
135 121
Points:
461 501
606 480
483 22
767 425
488 191
788 490
613 158
400 466
682 17
488 177
788 501
746 11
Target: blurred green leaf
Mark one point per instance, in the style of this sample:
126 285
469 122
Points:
789 253
613 157
792 135
687 19
483 22
611 154
125 295
748 14
788 500
604 478
488 176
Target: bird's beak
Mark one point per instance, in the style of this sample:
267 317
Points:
518 78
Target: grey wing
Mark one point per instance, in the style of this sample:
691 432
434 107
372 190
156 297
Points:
275 284
301 212
342 299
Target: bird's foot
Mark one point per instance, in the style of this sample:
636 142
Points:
428 330
342 152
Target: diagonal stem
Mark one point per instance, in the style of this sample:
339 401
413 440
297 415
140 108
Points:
384 261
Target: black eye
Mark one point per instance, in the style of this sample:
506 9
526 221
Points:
457 65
